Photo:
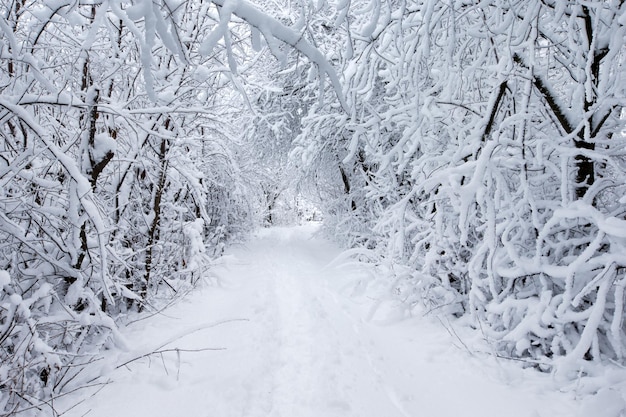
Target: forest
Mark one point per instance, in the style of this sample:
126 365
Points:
472 151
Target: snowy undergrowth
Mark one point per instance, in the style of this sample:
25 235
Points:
395 293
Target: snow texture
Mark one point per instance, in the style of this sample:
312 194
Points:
287 332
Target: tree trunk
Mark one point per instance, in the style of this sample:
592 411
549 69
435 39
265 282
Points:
154 231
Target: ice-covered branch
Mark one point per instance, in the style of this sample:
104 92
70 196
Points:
272 28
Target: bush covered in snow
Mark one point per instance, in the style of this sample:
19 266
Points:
484 150
115 171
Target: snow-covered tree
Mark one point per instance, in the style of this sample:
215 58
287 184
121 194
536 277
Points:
119 168
486 142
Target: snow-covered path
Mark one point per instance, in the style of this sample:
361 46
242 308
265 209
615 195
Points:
294 343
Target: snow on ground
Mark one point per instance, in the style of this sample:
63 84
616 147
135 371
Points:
294 341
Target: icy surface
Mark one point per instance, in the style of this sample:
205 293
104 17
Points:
296 343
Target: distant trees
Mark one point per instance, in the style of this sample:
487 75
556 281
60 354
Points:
486 141
284 91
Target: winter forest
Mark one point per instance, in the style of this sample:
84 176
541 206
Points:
473 153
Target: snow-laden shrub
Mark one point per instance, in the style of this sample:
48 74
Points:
45 342
109 147
490 159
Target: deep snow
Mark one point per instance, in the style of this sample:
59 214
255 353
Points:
296 338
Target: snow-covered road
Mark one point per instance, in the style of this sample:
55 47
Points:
294 342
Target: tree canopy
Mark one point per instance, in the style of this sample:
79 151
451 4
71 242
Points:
477 146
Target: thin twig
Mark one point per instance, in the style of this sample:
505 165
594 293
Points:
164 351
46 402
454 334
